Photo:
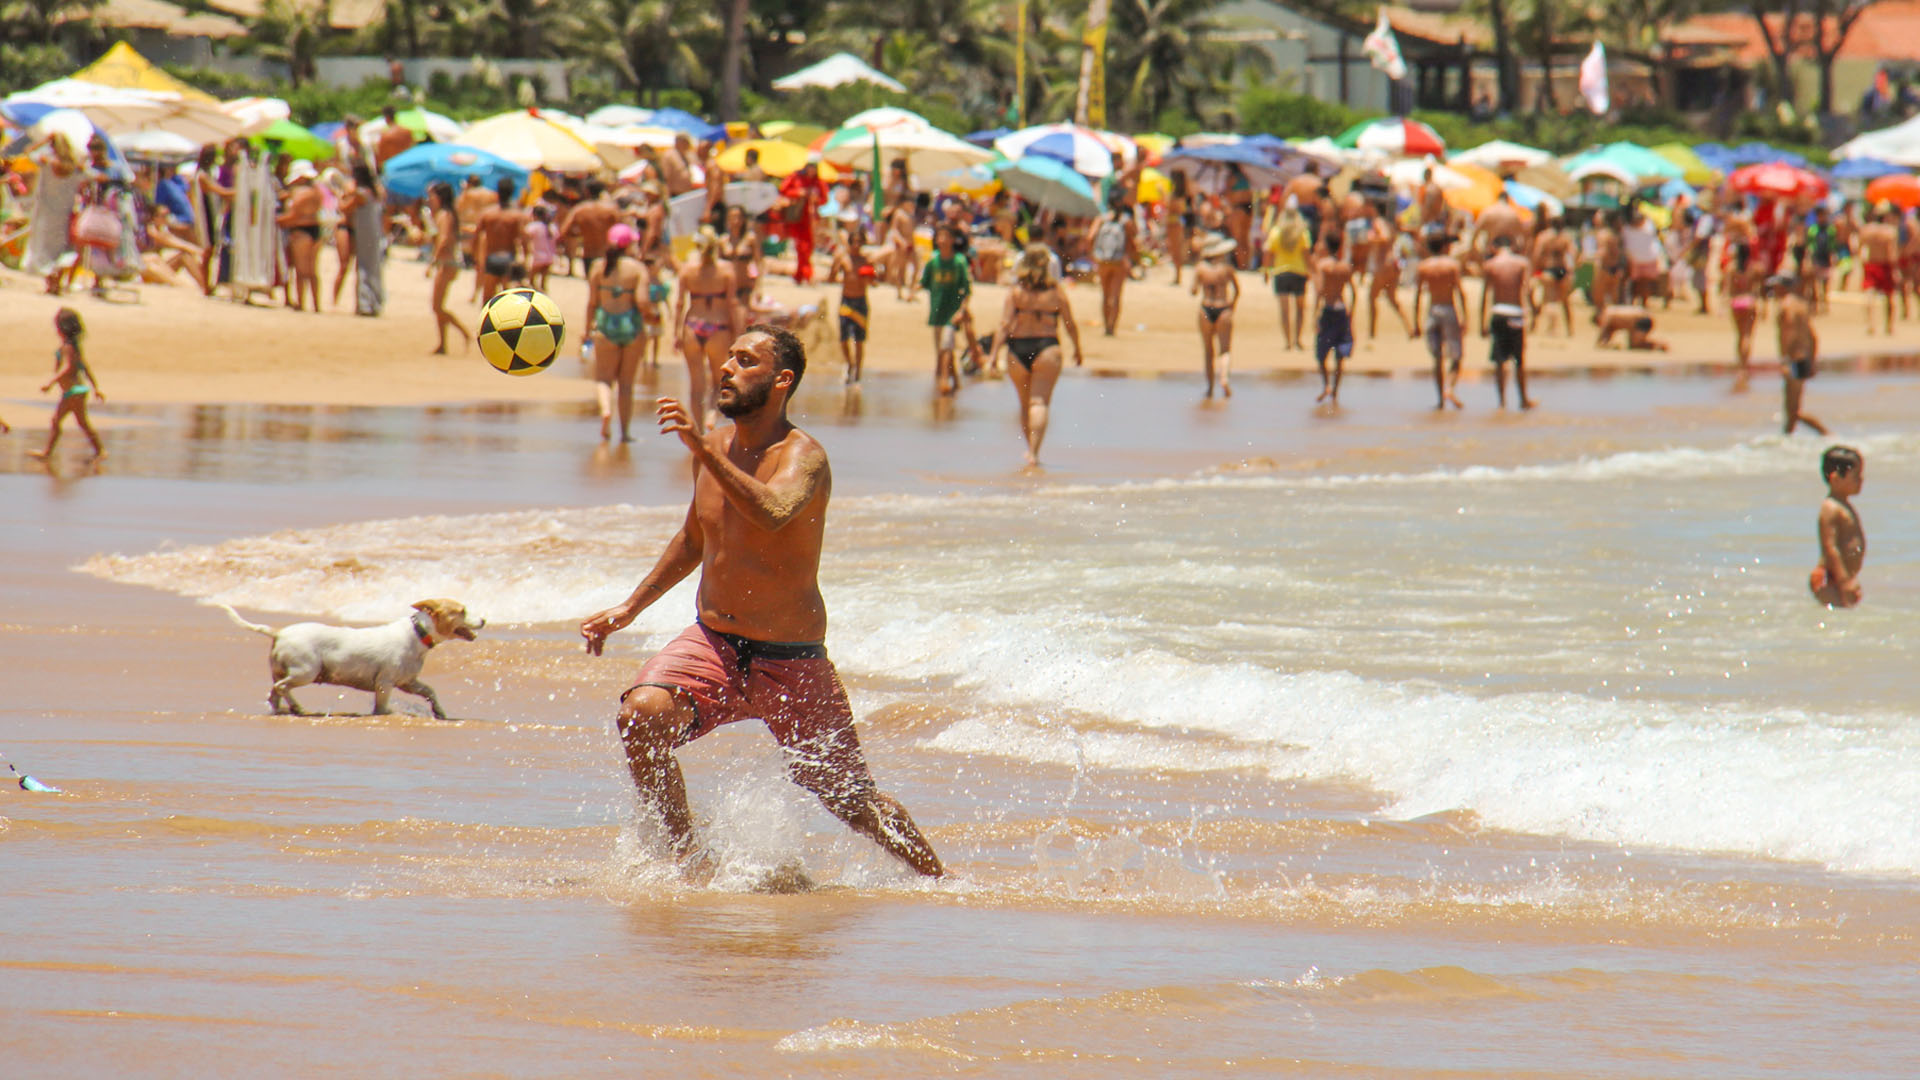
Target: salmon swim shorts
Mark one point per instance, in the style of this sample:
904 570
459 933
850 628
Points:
791 686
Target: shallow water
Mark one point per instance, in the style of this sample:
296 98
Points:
1260 742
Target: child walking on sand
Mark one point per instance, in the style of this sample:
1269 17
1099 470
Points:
1843 542
76 383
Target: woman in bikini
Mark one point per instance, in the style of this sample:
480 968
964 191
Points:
446 261
1029 330
1741 283
301 220
1218 288
76 383
708 313
617 301
741 248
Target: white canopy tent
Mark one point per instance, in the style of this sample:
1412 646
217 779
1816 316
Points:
837 70
1899 144
1499 152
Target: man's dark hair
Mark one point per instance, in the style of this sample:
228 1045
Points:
788 353
1839 461
387 115
753 155
595 189
505 190
1503 241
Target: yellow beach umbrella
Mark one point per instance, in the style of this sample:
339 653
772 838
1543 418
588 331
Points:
532 141
1695 171
124 68
789 131
777 156
1154 186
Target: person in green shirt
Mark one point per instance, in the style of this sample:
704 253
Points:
948 286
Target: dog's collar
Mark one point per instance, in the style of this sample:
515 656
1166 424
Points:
422 630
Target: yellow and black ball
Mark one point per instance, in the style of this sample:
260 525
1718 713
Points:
521 331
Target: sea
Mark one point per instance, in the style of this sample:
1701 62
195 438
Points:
1260 739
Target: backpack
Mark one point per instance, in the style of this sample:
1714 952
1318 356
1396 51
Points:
1110 240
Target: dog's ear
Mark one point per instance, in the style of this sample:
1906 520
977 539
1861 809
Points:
426 605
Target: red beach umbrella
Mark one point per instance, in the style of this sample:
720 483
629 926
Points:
1902 190
1778 180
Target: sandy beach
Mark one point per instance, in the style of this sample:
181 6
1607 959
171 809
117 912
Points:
1261 740
176 346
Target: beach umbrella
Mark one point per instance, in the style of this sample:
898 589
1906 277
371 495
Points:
408 173
925 150
107 107
886 116
840 69
1675 189
787 130
1080 148
1528 197
619 115
974 181
287 137
1500 154
532 141
256 114
1153 146
778 157
1779 180
1865 168
1630 163
987 137
1899 144
122 67
1759 153
1550 178
1210 138
1902 191
1050 184
1693 168
156 145
1412 173
1397 136
1210 165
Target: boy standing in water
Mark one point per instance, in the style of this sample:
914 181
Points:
1843 543
948 285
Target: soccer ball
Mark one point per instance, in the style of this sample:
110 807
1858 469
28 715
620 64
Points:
521 331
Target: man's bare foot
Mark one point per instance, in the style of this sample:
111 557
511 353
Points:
1526 403
441 351
1455 400
1226 387
606 428
37 455
1324 394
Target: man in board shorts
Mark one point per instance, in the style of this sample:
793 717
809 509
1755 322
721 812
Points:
755 530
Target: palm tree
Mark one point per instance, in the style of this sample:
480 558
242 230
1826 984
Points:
1169 53
649 42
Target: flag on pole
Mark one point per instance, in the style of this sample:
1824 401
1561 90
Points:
1593 80
1383 49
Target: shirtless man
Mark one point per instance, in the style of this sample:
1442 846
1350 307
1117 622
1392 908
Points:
855 273
394 140
1609 264
1878 254
588 223
1799 349
1439 276
1383 276
1503 315
676 168
1357 212
755 530
1335 295
1843 542
656 240
1433 202
474 200
1219 290
1552 258
1500 219
1909 262
1633 320
499 241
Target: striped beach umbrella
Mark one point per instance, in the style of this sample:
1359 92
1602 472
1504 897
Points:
1394 135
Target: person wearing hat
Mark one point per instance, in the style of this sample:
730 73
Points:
1218 288
300 219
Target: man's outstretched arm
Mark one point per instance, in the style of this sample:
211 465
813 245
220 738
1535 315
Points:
681 557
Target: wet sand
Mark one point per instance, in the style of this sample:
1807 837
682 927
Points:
220 891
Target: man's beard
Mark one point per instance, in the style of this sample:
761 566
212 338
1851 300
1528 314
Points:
744 401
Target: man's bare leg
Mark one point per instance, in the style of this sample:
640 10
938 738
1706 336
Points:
872 814
649 720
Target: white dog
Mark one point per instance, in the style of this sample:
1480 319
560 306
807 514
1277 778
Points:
376 658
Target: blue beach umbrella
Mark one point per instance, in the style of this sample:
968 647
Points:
1052 184
1530 198
682 120
409 173
1759 153
987 137
1865 169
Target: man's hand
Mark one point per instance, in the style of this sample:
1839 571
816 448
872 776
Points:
675 420
596 627
1079 358
1850 592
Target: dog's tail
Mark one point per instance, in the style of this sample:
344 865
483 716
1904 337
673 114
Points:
245 625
